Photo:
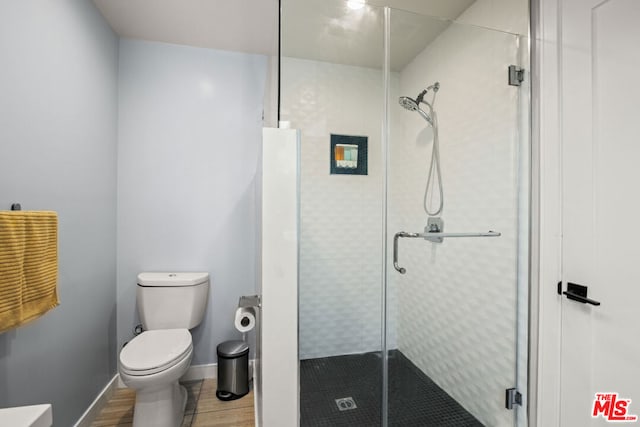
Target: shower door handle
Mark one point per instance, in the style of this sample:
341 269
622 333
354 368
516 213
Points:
395 249
395 255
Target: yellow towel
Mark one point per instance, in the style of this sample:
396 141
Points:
28 266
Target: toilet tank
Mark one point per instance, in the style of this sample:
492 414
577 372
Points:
172 300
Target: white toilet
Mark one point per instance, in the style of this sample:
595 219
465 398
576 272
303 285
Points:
169 304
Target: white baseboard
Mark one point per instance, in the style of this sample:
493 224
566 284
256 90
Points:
120 383
98 403
200 372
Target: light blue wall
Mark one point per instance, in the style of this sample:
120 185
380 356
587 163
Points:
180 133
58 122
190 124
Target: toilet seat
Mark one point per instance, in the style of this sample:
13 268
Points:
155 351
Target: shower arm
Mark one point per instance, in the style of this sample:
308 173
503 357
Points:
432 236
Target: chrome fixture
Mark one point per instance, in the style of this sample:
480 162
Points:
411 104
431 118
431 236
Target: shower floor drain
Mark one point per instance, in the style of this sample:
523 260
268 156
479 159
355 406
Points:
346 404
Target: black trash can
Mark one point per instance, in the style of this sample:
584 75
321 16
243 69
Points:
233 370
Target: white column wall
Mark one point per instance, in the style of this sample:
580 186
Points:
278 363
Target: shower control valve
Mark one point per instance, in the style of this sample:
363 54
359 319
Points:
435 224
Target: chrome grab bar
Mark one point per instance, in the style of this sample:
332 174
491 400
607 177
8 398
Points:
429 236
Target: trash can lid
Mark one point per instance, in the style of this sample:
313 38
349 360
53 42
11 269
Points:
233 348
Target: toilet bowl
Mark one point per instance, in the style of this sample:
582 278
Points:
152 363
169 305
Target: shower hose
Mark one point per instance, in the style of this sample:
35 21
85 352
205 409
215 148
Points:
434 172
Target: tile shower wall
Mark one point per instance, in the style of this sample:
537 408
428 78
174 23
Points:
341 215
458 299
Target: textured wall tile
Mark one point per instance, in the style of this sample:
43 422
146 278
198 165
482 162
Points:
341 215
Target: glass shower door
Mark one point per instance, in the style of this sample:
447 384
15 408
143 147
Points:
437 337
456 223
332 91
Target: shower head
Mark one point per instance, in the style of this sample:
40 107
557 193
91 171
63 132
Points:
408 103
412 105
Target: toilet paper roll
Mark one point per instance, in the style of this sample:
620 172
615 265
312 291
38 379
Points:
245 319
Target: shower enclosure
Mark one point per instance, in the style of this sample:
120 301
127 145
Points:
410 316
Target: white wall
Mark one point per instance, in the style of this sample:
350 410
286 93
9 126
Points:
546 321
58 120
511 16
190 124
457 301
341 215
277 380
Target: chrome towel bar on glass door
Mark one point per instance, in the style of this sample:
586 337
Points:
428 236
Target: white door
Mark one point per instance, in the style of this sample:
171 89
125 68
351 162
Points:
600 104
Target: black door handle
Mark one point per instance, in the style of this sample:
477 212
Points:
578 293
580 298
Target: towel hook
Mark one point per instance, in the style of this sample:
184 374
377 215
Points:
16 207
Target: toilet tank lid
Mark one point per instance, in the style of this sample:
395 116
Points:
172 279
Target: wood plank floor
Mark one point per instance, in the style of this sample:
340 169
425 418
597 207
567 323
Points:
203 408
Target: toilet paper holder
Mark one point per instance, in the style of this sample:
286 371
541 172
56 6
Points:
249 301
246 314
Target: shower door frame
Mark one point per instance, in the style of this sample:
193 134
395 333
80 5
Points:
386 120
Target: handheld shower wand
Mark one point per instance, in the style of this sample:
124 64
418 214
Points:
432 118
